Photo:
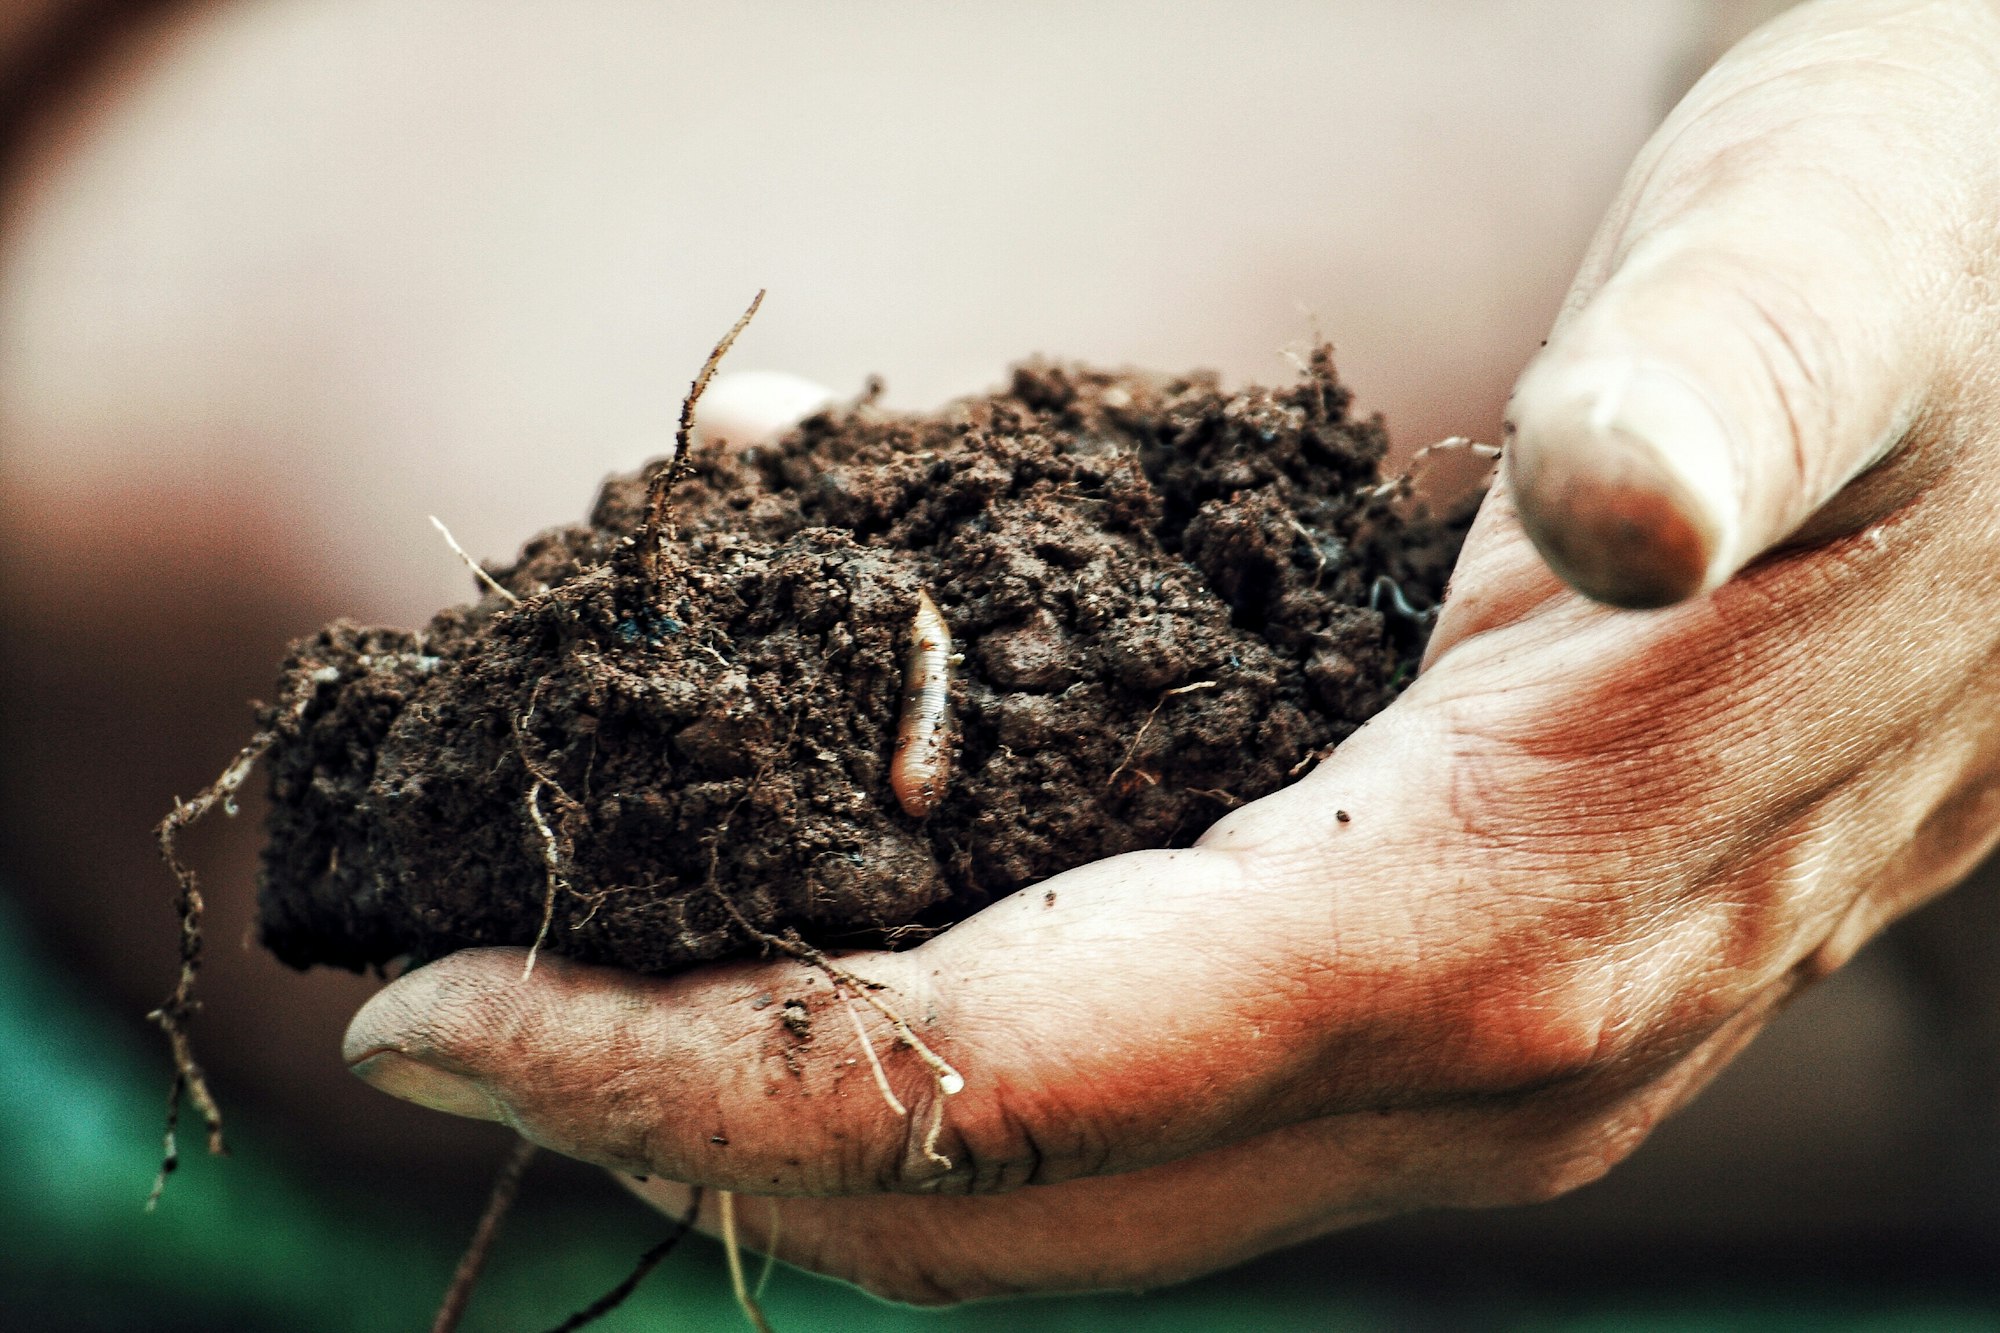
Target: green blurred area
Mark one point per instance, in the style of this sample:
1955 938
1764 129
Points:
246 1243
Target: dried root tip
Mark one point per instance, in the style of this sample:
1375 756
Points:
648 1261
1405 482
189 1082
659 523
922 767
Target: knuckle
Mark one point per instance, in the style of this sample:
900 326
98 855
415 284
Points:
1515 1040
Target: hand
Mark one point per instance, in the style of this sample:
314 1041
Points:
1588 854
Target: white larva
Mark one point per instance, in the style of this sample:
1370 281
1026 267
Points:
921 769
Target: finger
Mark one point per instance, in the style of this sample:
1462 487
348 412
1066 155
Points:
1176 1221
750 407
1164 1224
759 1075
1781 292
1121 1015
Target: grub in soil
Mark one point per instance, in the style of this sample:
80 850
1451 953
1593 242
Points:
1162 600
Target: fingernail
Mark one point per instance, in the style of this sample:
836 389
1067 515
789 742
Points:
414 1081
1628 480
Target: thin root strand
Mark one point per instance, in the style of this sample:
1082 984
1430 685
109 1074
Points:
949 1081
552 860
555 847
648 1261
874 1061
478 570
506 1185
179 1008
1147 725
770 1249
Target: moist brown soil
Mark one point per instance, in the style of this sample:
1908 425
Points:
1168 600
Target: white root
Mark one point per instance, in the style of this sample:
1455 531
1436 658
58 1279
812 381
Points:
732 1250
874 1061
949 1081
552 860
770 1250
478 570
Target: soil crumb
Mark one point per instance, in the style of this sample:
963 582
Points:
1163 600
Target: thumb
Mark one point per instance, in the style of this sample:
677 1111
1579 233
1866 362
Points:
1766 308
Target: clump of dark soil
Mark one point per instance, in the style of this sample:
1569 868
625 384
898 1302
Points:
1168 600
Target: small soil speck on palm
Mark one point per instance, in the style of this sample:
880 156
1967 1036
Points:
622 748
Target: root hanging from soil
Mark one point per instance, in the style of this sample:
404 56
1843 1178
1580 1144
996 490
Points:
551 855
950 1082
732 1250
506 1186
177 1011
648 1261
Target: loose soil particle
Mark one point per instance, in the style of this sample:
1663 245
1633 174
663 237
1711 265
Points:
1166 598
